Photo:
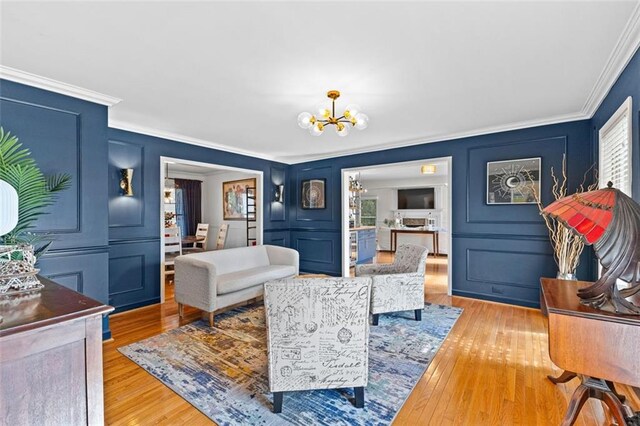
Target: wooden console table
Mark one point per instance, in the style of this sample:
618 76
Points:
434 235
597 346
51 357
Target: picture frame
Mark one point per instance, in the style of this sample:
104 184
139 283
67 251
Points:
234 205
313 194
511 182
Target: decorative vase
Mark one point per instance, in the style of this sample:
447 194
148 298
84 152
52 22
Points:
567 276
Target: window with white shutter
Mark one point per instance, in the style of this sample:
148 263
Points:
615 149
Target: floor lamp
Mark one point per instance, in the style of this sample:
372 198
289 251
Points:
8 209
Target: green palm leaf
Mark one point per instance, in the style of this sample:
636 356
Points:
35 190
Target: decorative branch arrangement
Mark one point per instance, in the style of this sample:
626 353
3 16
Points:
567 246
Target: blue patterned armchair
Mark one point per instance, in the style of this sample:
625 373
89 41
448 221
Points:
317 335
398 286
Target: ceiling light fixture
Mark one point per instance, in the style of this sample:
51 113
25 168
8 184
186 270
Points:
428 169
351 117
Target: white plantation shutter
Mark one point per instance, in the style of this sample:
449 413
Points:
615 149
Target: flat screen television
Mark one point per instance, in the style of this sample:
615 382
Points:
416 198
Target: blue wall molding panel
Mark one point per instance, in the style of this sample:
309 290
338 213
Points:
67 135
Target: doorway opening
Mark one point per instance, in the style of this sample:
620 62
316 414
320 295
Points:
388 204
222 194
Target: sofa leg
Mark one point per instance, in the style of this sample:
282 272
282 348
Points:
376 317
418 314
180 310
210 318
359 397
277 402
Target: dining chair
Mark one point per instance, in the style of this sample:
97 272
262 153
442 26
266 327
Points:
201 231
222 236
172 249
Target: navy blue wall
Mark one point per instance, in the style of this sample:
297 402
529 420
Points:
499 252
628 84
134 222
67 135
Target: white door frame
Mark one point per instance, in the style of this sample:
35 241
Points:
345 212
259 201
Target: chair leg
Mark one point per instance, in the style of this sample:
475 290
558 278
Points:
359 392
418 314
180 310
277 402
376 317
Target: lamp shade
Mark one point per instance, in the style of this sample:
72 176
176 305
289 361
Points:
8 208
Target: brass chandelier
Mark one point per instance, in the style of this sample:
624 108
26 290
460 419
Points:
351 117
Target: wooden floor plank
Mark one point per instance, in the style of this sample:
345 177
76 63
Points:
490 370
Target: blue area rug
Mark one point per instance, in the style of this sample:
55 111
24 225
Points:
222 371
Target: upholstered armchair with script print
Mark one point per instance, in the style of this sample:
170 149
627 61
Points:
398 286
317 335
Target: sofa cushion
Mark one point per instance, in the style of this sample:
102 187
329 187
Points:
236 281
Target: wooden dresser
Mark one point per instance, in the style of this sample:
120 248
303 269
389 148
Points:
51 357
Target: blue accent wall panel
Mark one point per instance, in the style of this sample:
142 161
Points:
473 219
134 274
628 84
277 238
67 135
319 250
84 270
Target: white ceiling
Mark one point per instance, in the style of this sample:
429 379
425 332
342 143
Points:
236 75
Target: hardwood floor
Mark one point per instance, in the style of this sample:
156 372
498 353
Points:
491 370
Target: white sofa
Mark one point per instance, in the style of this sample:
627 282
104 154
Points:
213 280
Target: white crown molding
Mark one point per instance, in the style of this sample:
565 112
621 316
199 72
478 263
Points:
441 138
51 85
625 48
116 124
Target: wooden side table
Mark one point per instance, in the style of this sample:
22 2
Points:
597 346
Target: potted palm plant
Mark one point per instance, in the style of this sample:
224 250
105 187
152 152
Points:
35 192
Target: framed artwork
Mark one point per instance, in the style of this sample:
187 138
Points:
234 200
513 181
313 194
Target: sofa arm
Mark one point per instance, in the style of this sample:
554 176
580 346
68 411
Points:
377 269
195 283
283 256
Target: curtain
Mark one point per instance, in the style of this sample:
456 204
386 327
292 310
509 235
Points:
189 203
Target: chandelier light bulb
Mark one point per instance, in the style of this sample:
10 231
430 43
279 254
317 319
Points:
342 129
305 120
324 112
362 121
351 111
316 129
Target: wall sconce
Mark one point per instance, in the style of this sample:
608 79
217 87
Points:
279 194
126 182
